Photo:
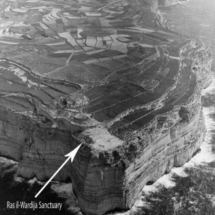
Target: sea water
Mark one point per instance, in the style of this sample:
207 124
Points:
193 184
17 194
194 18
190 189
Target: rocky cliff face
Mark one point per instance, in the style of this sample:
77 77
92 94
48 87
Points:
119 173
107 75
39 149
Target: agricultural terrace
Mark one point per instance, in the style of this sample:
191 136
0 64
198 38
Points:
91 62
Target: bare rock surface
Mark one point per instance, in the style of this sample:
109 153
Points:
105 74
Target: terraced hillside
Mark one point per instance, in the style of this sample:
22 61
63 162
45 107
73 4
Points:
105 74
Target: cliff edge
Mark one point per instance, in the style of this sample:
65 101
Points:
105 74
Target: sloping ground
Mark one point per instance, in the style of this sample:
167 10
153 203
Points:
106 74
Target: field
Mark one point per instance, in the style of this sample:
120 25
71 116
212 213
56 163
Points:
94 57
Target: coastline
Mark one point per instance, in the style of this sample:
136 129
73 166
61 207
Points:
165 24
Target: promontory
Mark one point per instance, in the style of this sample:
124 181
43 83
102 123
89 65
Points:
104 73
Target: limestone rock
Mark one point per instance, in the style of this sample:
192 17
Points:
105 74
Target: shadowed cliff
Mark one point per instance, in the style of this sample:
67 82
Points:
105 74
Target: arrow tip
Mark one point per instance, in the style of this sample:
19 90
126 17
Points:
73 153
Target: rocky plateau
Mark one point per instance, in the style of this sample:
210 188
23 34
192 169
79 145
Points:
106 74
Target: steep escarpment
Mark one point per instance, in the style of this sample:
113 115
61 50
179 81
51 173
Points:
119 171
38 148
109 76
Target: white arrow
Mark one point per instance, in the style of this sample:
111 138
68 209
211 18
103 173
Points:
71 156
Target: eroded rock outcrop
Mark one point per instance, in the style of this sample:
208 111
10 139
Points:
107 75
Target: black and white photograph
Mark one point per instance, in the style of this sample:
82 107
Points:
107 107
